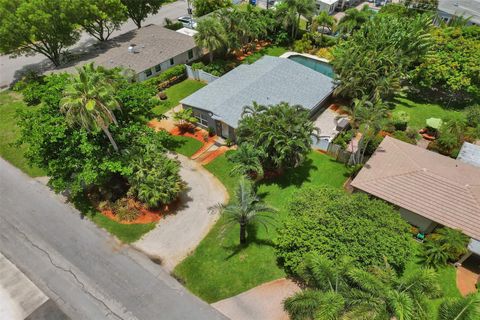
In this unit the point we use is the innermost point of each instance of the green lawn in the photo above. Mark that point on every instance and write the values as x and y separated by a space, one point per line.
10 103
274 51
446 278
220 267
185 145
176 93
419 112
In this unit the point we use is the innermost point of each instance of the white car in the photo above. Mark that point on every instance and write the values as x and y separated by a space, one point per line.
188 22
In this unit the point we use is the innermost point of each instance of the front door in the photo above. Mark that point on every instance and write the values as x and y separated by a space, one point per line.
225 130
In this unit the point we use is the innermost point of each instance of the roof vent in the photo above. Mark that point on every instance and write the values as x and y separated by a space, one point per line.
131 48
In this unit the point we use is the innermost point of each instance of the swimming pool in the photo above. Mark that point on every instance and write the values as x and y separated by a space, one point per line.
317 65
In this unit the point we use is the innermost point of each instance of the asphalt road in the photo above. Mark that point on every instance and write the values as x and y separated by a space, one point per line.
79 266
12 68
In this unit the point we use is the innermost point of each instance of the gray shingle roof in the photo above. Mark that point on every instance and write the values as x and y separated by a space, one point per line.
436 187
467 8
470 153
268 81
154 44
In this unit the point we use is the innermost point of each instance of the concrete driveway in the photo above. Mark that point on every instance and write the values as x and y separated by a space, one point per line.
264 302
178 234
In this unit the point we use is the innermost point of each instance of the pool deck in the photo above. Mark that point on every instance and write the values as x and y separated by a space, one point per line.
311 56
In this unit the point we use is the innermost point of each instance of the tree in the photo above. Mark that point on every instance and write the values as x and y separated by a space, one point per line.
184 119
299 8
211 35
203 7
445 245
353 19
89 101
246 209
47 27
101 17
138 10
246 161
335 224
466 308
283 133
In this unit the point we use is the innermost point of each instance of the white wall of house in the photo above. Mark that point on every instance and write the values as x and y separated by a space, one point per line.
446 17
327 5
425 225
182 58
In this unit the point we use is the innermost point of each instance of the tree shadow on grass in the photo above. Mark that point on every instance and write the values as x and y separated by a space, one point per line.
252 238
294 176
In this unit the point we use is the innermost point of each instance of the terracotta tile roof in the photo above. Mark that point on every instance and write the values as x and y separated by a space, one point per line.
436 187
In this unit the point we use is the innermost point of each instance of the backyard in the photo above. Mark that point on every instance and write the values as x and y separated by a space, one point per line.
220 267
176 93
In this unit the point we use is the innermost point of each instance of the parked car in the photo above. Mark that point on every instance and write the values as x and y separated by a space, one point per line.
188 22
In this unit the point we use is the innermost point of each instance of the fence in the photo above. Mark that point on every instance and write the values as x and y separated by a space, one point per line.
334 150
200 75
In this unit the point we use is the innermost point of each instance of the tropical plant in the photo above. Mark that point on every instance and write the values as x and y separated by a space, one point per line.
184 119
246 208
334 224
353 19
473 115
324 20
89 101
296 9
155 179
444 245
211 35
283 133
203 7
126 209
466 308
246 161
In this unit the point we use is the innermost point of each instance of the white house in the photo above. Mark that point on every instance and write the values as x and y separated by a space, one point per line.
327 5
448 9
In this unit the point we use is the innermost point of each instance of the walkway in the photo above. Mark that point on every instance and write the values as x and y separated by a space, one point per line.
467 275
178 234
264 302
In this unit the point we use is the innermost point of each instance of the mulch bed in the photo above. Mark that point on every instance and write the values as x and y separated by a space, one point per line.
147 216
197 134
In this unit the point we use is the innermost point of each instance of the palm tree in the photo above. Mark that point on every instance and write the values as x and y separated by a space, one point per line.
353 19
325 21
211 35
247 208
466 308
246 161
89 100
312 304
305 8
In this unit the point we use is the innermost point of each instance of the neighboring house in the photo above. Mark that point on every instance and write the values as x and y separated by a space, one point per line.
268 81
327 5
429 189
447 9
147 51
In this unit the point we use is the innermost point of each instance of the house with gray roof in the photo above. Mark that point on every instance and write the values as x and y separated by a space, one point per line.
447 9
268 81
147 51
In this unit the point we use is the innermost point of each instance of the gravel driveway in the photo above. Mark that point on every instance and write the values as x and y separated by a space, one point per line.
178 234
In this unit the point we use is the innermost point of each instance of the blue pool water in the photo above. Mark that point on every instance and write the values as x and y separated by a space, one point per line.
314 64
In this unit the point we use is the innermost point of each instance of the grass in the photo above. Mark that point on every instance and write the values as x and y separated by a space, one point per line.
176 93
274 51
10 103
420 112
185 145
220 267
446 278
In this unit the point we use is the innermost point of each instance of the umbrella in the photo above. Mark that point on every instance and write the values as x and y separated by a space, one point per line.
434 123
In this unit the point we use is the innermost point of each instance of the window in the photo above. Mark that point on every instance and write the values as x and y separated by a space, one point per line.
190 54
158 68
202 119
172 62
148 72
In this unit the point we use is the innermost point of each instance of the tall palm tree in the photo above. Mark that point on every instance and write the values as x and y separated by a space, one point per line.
89 100
354 19
210 35
466 308
305 8
247 208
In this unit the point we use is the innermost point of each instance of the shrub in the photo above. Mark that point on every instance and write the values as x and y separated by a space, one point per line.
400 120
169 24
126 209
443 246
473 115
344 138
168 75
403 136
303 45
334 224
184 119
325 53
198 66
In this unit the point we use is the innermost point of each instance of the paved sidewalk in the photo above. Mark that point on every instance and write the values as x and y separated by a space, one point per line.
178 234
264 302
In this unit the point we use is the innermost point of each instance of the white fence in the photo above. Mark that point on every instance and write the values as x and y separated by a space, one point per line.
200 75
